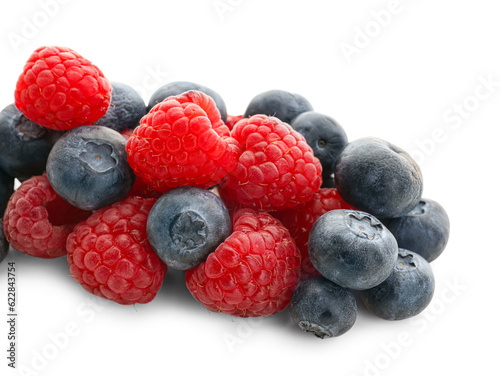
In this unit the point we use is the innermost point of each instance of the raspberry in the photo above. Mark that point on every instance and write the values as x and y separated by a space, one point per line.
110 256
276 170
60 89
253 273
301 220
140 188
37 221
232 120
182 141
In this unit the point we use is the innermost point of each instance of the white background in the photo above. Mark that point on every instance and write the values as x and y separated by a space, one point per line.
422 74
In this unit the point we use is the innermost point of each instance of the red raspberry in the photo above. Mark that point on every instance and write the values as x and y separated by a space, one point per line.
37 221
232 120
182 141
301 220
140 188
277 169
60 89
253 273
110 256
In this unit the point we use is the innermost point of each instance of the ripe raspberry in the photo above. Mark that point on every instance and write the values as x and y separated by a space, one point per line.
301 220
60 89
110 256
232 120
253 273
277 169
182 142
37 221
140 188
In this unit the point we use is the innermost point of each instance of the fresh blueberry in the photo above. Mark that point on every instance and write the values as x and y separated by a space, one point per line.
6 190
88 167
179 87
24 145
186 224
324 135
406 292
126 109
378 177
278 103
321 307
352 248
425 230
4 245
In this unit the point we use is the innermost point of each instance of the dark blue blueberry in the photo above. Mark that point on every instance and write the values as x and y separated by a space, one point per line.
324 135
378 177
186 224
425 230
88 167
321 307
179 87
6 190
278 103
406 292
352 248
24 145
4 245
126 109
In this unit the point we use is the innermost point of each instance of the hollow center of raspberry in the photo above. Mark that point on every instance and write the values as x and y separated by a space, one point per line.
98 157
26 130
188 230
364 226
62 213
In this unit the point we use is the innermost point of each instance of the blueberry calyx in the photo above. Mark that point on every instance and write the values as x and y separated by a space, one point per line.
363 225
98 157
188 231
26 130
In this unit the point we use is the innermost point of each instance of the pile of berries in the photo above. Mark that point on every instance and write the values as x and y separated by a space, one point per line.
264 211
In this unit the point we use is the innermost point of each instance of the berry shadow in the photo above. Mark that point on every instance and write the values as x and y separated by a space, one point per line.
174 289
36 265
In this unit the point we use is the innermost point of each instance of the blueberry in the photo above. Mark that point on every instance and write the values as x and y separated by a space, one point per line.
324 135
24 145
179 87
4 245
406 292
126 109
6 190
278 103
378 177
424 230
88 167
186 224
321 307
352 248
